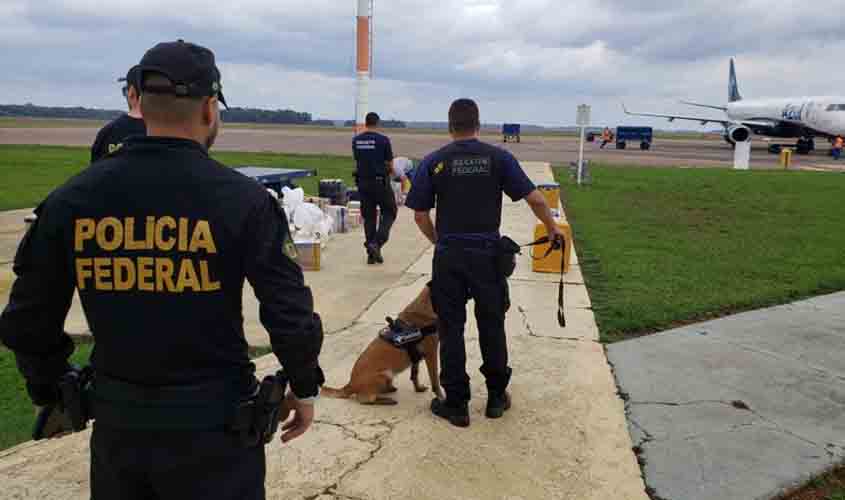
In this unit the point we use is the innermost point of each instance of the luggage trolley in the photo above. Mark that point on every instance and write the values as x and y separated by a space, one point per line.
511 131
276 178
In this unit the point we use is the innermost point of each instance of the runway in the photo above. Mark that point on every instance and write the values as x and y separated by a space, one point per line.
557 150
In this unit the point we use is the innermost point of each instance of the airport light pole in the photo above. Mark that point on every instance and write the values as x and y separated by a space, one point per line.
363 64
582 119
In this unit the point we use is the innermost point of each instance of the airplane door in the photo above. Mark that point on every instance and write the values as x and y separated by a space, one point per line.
817 118
812 113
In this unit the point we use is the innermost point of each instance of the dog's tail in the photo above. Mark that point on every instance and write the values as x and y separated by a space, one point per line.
331 392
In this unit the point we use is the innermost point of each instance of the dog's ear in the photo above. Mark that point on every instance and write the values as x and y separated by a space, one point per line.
389 321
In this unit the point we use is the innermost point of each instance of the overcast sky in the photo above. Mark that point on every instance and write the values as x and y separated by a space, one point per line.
529 61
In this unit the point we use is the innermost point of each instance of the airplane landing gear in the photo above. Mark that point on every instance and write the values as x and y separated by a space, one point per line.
805 145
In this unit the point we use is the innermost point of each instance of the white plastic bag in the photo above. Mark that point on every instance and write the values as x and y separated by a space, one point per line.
309 221
401 166
292 198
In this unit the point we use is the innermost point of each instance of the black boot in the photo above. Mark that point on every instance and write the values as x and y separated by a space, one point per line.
371 255
456 415
377 255
498 404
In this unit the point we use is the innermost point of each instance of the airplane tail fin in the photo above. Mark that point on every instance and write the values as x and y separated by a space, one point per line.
733 86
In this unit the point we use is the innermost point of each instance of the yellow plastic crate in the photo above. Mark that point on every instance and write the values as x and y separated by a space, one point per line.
552 194
551 263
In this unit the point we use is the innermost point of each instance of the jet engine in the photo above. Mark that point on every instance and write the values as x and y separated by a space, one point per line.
737 133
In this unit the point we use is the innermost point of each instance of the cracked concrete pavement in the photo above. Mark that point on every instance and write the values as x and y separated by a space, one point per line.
565 437
740 407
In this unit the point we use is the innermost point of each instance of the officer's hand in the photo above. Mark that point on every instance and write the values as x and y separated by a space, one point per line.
50 423
557 236
303 416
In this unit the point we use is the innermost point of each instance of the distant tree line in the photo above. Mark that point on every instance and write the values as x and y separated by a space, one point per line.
233 115
251 115
382 124
33 111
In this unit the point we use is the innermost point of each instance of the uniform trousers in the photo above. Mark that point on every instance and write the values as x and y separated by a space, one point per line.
462 272
174 465
377 193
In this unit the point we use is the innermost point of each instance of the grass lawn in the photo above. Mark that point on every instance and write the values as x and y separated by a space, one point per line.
661 247
29 173
17 415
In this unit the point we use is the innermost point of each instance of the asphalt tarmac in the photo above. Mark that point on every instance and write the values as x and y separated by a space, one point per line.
712 152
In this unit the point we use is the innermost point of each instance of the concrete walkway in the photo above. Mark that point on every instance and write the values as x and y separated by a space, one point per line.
740 407
565 437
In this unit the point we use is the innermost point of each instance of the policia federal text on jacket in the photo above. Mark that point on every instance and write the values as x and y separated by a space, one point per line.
158 239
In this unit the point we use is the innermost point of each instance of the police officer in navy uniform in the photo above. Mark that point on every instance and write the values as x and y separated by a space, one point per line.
158 239
374 157
111 137
465 181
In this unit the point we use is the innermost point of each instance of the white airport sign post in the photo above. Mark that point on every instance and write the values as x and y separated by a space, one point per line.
582 119
742 155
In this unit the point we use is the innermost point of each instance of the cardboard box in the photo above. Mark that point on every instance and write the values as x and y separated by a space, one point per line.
322 203
338 215
308 254
354 219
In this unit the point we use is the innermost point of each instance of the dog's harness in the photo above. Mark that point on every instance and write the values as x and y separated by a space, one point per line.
403 336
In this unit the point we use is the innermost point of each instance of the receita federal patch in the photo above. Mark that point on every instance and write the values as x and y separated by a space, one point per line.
471 166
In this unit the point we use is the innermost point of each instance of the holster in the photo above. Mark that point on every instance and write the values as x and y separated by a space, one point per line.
73 405
506 256
256 419
75 388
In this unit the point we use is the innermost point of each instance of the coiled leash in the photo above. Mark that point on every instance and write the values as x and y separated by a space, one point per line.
509 249
556 244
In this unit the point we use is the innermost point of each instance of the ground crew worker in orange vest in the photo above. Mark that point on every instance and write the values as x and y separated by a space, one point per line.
605 137
837 148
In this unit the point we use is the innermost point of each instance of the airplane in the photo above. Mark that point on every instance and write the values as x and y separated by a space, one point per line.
803 118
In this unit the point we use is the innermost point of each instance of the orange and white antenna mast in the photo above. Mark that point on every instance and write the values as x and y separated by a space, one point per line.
363 66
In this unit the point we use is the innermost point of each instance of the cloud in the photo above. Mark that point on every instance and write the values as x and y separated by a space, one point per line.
525 60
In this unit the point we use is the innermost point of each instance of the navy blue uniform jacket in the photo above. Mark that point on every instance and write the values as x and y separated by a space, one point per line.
158 239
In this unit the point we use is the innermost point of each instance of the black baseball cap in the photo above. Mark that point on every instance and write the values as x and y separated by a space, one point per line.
189 67
131 77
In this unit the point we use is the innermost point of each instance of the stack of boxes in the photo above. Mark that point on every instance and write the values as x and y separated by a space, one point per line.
354 219
335 201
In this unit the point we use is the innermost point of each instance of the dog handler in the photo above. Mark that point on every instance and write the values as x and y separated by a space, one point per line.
158 239
465 181
111 137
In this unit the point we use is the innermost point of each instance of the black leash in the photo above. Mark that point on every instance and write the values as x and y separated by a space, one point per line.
557 244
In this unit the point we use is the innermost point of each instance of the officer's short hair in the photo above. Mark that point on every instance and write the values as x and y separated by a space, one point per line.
167 108
464 116
372 120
